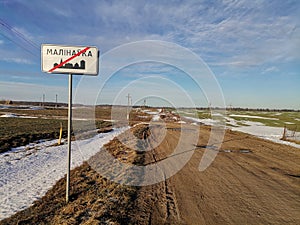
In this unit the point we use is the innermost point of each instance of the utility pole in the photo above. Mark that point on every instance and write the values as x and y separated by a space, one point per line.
209 108
43 100
56 101
69 138
128 105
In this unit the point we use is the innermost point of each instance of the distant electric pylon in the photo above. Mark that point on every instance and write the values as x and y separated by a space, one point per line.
43 100
128 104
209 108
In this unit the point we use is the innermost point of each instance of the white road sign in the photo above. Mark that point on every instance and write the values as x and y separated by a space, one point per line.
70 59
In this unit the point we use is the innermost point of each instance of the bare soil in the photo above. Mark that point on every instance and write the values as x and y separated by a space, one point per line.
251 181
15 132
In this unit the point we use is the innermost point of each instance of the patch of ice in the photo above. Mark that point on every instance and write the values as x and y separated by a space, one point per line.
217 114
12 115
251 123
110 120
155 118
231 121
36 108
150 112
210 122
258 129
21 107
288 123
269 133
27 175
254 117
255 128
9 115
28 117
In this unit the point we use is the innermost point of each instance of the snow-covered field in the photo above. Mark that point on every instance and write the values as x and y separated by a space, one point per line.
260 130
26 173
254 128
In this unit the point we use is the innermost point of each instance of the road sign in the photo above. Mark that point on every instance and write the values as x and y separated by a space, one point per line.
70 59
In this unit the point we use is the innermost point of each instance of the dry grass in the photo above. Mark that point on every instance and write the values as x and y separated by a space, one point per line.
94 199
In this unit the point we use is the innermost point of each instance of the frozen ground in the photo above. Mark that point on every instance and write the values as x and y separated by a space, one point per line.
150 112
209 122
260 130
26 173
12 115
24 107
255 128
254 117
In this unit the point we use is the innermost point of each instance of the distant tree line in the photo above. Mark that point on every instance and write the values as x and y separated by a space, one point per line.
53 104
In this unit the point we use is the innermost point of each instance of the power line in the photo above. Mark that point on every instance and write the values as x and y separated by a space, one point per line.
18 38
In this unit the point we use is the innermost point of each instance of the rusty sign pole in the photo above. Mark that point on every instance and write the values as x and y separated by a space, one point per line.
69 138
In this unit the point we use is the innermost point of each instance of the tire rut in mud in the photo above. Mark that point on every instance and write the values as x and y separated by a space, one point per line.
157 203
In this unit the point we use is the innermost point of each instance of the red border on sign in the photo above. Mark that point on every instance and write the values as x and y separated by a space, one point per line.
74 56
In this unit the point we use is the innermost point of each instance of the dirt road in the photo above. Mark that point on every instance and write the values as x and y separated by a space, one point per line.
251 181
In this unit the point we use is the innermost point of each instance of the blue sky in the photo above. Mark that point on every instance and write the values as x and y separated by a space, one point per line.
251 47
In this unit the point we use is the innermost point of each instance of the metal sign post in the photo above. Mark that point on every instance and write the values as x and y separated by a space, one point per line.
69 138
81 60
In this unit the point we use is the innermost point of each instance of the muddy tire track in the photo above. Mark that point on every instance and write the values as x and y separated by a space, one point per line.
158 201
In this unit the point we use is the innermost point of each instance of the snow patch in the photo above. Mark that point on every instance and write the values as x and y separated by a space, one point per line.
151 112
269 133
254 128
12 115
231 121
156 118
26 175
210 122
254 117
289 123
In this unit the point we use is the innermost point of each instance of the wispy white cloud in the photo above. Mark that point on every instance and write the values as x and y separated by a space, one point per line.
234 37
221 32
34 92
18 60
248 35
270 70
